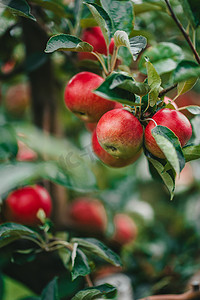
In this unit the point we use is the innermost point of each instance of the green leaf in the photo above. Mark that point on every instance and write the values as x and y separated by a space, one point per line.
69 167
18 7
135 45
164 56
50 292
10 232
115 94
154 81
185 86
146 6
103 20
127 83
186 70
87 294
192 11
170 145
191 152
121 13
53 6
67 42
92 293
193 109
81 265
99 249
168 180
8 142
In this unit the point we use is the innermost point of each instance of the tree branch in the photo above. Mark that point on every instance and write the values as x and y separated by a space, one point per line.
168 89
186 36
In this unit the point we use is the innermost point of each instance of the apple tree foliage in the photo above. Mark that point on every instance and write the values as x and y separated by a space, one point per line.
164 65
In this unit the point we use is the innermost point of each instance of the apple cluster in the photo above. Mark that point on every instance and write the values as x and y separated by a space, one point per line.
118 136
90 213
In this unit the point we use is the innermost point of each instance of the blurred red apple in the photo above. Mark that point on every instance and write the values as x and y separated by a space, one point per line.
25 153
89 212
17 99
125 229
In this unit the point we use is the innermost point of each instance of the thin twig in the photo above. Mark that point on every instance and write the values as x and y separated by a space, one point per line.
89 281
168 89
186 36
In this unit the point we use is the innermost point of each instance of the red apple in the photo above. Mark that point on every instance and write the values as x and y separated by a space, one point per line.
125 229
8 66
172 119
80 99
107 158
94 37
89 212
25 153
120 133
22 205
17 99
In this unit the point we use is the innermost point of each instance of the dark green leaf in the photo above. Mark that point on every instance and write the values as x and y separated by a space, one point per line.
127 83
164 56
97 291
18 7
121 13
115 94
154 82
50 292
103 20
186 70
8 142
87 295
167 178
192 11
170 145
191 152
98 248
81 265
34 61
10 232
67 42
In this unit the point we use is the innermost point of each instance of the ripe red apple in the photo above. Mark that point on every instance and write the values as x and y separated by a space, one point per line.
94 36
89 212
125 229
120 133
22 205
25 153
107 158
17 99
80 99
172 119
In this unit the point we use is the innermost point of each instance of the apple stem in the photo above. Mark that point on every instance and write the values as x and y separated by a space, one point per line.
108 60
114 58
89 281
140 107
101 62
150 119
